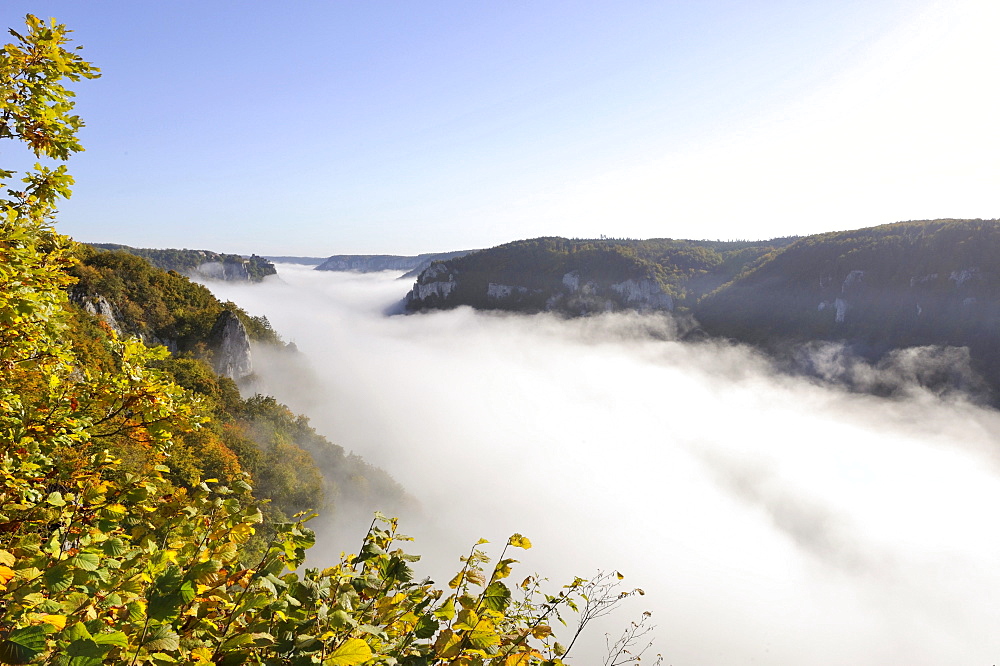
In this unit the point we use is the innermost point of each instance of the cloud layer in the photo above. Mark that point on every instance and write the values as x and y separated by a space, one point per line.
769 519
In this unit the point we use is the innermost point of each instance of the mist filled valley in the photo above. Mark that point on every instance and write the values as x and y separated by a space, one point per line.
683 310
769 518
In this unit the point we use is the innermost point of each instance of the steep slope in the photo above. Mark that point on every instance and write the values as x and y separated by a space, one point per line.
584 276
896 285
290 463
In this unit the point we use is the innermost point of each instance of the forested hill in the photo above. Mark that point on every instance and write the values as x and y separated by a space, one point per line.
304 261
201 263
289 462
371 263
896 285
878 289
586 276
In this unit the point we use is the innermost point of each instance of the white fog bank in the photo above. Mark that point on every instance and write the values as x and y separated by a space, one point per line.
769 520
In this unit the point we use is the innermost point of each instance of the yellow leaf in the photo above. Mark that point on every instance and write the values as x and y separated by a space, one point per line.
519 541
202 655
502 569
467 620
242 533
6 573
57 621
541 631
353 652
447 644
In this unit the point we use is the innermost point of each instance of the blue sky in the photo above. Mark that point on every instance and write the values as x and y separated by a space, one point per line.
320 128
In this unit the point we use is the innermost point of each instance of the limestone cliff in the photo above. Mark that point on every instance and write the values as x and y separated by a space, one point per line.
231 344
98 306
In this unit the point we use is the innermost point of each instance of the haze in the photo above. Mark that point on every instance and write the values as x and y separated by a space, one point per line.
770 519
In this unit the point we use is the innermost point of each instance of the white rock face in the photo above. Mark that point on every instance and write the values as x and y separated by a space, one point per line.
435 281
501 291
571 281
646 293
99 306
436 271
853 278
914 281
428 289
841 306
232 355
963 276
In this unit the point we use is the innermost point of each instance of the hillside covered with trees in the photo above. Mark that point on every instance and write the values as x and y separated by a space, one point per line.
933 283
201 263
132 526
586 276
907 284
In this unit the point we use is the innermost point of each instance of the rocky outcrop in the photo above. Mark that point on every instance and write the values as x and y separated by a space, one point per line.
100 307
231 345
432 289
643 294
442 286
502 291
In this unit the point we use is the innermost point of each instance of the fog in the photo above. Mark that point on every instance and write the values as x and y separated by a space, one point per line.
770 519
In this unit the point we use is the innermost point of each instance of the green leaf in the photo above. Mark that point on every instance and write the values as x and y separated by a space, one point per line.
85 561
114 547
86 652
77 631
58 578
447 611
339 619
236 642
22 645
162 638
169 580
114 639
164 606
497 597
483 639
355 651
426 627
